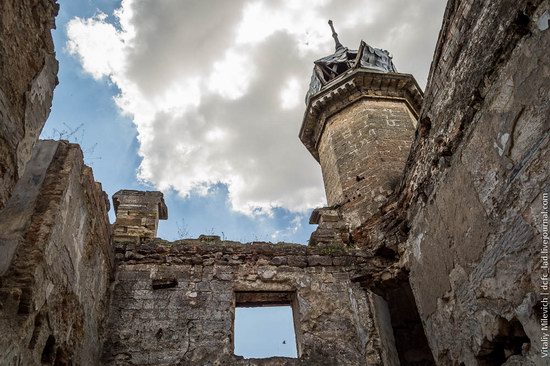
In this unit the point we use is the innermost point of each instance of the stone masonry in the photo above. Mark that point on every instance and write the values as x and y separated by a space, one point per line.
465 227
360 128
174 303
57 262
479 169
430 253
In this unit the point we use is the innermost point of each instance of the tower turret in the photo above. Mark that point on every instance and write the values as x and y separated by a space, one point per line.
359 124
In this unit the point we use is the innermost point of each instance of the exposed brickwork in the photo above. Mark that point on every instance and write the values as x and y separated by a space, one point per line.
28 70
195 316
331 230
362 153
350 87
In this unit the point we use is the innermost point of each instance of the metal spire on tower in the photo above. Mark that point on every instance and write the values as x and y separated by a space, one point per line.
335 36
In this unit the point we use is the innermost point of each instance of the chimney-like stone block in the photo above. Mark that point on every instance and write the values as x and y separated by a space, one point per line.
332 230
137 214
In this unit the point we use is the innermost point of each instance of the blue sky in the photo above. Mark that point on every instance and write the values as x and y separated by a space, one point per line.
205 102
265 331
84 111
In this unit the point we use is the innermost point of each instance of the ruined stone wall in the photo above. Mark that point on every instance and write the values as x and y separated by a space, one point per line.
362 154
173 303
474 183
56 262
28 70
464 230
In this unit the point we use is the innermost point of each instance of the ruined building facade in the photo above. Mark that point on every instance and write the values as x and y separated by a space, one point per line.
431 251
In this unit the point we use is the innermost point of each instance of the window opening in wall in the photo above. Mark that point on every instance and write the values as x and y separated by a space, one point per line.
264 325
48 354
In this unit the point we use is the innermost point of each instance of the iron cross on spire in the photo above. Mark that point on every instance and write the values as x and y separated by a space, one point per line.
335 36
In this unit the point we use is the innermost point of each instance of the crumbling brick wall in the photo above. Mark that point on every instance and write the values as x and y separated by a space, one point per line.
57 261
28 75
174 303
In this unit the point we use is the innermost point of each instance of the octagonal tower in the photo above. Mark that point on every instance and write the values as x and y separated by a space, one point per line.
359 123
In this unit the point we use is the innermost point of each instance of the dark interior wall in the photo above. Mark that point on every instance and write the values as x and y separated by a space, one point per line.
56 260
410 340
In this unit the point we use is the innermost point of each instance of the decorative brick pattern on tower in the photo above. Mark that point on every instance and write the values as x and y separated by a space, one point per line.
137 215
362 153
360 129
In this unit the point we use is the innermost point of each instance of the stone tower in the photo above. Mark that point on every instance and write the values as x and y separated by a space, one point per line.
359 123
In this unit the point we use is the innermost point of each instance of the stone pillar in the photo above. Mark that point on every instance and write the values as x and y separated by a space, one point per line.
137 215
360 128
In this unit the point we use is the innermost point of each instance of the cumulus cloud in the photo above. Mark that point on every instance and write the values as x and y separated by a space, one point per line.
216 88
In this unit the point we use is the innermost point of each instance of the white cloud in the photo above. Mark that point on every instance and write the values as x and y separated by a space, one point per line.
98 44
290 95
231 76
215 88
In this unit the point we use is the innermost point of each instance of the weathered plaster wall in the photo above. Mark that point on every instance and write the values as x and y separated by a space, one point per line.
362 152
474 183
53 288
28 70
190 321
